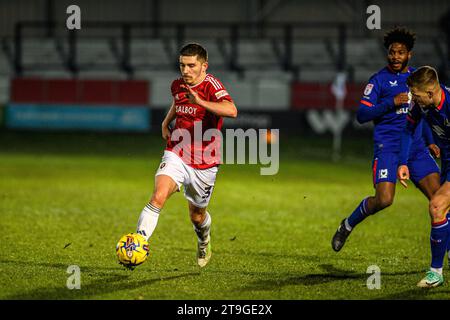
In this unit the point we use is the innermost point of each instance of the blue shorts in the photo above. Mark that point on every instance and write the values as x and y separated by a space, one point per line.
420 165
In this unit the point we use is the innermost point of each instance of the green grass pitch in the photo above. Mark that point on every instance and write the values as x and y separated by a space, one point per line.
65 199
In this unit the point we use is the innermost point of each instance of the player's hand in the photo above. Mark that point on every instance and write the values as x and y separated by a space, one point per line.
434 150
403 175
401 98
165 132
192 95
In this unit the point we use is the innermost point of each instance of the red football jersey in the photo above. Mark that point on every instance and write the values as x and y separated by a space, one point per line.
197 153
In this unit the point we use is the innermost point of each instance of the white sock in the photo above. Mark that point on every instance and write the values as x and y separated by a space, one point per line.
148 220
438 270
203 230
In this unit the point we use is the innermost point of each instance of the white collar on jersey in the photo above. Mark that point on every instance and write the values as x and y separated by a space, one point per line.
195 85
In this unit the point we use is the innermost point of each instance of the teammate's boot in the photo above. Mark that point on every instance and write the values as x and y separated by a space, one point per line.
432 279
340 237
204 252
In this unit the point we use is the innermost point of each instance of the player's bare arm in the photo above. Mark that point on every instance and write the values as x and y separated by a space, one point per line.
401 98
403 175
171 115
221 109
435 150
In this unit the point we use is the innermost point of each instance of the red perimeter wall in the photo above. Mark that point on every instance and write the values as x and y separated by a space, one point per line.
76 91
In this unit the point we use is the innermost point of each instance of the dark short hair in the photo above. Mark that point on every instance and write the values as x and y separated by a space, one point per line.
423 77
400 35
194 49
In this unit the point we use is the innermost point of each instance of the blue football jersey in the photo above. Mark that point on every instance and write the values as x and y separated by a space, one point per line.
438 120
377 105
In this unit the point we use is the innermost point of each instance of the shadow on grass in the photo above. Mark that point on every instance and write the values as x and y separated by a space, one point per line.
100 286
264 255
105 282
418 294
330 274
63 266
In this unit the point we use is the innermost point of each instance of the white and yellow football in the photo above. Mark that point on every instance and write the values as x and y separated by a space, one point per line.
132 250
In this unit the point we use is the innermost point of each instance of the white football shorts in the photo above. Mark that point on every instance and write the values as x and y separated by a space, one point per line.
198 184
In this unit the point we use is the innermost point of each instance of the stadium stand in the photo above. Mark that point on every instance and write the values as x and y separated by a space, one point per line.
258 55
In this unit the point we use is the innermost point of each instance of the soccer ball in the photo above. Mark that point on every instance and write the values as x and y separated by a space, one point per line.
132 250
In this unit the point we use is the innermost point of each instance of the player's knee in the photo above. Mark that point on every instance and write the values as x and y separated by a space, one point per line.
437 209
384 202
197 215
197 218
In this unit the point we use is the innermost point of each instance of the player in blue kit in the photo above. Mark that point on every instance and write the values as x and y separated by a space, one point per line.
431 102
386 103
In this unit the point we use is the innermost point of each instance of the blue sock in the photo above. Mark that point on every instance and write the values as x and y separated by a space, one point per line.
438 241
360 213
448 239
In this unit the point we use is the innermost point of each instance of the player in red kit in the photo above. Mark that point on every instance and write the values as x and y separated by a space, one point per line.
199 103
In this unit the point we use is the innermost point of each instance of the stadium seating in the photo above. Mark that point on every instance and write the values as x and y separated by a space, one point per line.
95 53
150 54
260 82
39 52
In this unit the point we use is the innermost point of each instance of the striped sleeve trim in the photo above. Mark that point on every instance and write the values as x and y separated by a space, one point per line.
216 84
366 103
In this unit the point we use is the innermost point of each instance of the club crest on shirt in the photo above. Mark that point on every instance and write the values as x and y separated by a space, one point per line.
368 89
383 173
